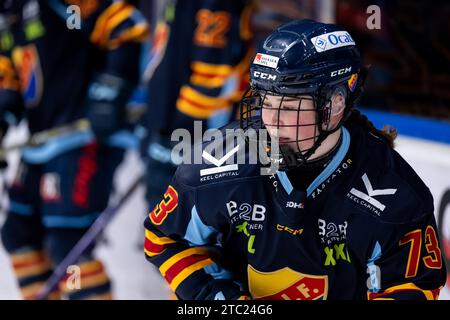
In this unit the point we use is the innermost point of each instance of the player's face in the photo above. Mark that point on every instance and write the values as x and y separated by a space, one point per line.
295 119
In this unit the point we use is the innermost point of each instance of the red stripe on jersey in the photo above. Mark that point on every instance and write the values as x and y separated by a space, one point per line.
179 266
153 247
35 261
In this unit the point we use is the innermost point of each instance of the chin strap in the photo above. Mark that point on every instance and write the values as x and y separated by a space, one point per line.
295 160
326 158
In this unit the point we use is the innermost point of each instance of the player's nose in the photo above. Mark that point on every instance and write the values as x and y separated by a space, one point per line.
273 114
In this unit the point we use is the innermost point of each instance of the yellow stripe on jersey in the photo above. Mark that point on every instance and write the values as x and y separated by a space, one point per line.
155 245
206 81
181 255
158 240
87 7
402 287
188 271
31 291
8 76
195 111
209 75
211 69
137 33
33 270
115 14
104 296
198 105
245 28
26 257
90 266
97 35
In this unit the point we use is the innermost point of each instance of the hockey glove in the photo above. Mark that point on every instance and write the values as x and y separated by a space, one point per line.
222 289
107 96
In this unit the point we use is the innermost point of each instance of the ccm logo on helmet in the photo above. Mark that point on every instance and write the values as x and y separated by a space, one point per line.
262 75
332 40
340 71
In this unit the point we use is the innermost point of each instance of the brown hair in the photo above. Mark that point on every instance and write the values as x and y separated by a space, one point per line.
387 133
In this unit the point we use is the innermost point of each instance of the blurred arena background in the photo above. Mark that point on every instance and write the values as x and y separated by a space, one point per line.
407 88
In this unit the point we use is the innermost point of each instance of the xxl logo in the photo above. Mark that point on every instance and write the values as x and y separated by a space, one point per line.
286 284
371 193
334 253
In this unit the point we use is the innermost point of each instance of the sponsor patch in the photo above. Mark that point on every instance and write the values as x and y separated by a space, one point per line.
332 40
266 60
368 199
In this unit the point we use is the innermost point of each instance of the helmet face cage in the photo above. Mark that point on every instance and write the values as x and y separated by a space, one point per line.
291 152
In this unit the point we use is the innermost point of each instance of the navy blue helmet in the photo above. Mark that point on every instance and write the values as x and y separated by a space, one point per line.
307 60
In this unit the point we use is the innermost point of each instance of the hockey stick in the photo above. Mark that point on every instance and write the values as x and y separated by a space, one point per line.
43 136
81 125
87 239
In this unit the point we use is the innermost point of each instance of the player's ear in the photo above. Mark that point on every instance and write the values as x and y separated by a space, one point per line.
337 103
337 108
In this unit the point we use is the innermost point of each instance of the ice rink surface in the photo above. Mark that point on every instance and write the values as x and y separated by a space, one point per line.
121 245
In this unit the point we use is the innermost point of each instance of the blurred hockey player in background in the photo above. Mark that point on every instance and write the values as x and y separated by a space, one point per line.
200 57
53 72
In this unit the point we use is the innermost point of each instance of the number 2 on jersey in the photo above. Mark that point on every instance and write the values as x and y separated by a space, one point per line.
212 27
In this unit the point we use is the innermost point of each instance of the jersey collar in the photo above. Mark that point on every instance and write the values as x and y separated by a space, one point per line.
329 169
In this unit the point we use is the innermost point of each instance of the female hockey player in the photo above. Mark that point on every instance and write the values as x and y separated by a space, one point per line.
343 217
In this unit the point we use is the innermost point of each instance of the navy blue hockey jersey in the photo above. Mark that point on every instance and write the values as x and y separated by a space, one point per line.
205 51
363 229
47 60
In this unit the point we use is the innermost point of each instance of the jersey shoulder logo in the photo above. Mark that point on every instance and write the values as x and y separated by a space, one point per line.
26 60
